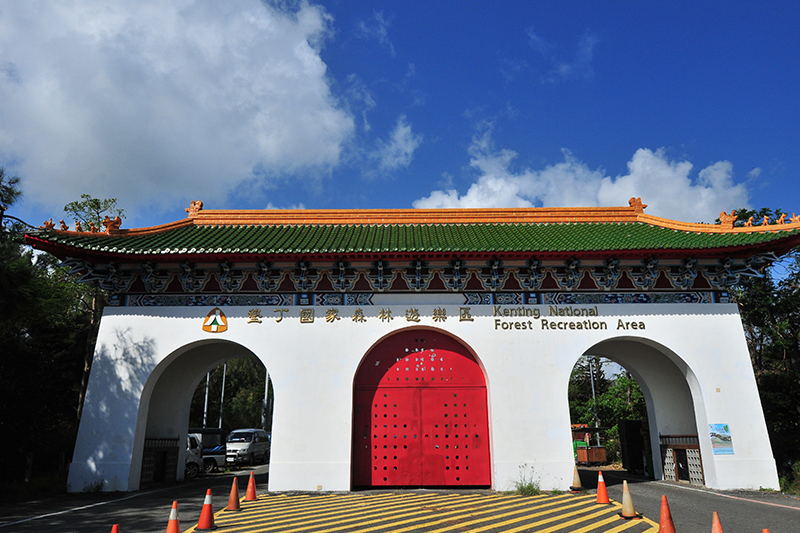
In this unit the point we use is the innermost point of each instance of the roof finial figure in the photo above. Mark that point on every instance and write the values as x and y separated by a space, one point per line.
637 204
48 224
64 226
726 220
194 207
112 226
765 222
781 219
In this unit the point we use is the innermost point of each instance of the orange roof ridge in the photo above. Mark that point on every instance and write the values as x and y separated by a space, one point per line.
526 215
700 227
362 217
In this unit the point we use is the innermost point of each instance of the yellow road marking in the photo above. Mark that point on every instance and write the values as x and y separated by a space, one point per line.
423 512
627 524
336 519
343 503
483 510
353 516
514 521
595 525
385 517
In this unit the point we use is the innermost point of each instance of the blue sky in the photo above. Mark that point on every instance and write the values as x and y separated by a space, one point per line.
348 104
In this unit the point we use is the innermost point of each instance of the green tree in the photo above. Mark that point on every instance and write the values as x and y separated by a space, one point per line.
244 395
42 335
581 402
770 310
9 190
617 398
89 210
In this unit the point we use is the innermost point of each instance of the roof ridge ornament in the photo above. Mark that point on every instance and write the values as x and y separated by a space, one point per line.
726 220
636 204
194 208
112 226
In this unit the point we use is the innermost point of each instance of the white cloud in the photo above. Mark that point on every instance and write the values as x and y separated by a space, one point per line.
293 206
559 69
539 44
398 151
151 101
377 28
665 185
359 98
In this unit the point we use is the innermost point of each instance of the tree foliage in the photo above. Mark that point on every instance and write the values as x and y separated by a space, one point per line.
43 332
617 398
89 210
244 396
9 190
770 310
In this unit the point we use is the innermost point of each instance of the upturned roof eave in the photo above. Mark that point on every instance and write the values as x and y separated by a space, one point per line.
61 251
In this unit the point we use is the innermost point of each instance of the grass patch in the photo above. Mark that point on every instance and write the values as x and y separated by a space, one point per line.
528 483
790 484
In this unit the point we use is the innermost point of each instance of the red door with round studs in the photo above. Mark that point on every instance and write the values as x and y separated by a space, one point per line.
420 414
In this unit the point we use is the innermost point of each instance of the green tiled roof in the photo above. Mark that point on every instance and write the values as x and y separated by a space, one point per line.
544 238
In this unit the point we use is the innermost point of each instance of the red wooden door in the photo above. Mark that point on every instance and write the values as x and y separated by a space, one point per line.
420 415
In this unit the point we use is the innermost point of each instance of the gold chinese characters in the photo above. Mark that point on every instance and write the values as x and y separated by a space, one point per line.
307 315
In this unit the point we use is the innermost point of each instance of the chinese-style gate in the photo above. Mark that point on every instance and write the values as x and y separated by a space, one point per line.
527 290
420 414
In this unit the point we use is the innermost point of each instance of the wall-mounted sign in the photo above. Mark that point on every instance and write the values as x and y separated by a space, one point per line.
215 321
721 439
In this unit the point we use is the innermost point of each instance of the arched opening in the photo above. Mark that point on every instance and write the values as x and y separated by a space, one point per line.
164 410
236 394
420 414
672 399
608 413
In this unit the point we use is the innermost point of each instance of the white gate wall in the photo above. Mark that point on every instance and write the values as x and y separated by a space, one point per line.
694 354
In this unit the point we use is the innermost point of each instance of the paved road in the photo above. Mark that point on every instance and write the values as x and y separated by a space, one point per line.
692 508
149 511
142 512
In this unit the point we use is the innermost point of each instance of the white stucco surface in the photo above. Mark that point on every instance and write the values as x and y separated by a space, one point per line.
690 359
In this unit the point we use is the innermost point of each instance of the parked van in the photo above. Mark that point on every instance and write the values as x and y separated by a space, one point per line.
213 442
247 446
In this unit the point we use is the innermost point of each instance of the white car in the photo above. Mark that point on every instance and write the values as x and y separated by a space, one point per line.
194 456
247 446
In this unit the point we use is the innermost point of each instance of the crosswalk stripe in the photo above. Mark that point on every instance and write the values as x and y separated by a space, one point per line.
428 513
336 519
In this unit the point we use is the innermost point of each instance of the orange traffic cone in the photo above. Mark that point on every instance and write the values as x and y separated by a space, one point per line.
665 524
716 525
115 528
576 482
628 512
173 526
602 493
206 521
250 496
233 499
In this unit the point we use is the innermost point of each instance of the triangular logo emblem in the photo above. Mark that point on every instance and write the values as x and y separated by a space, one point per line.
215 321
